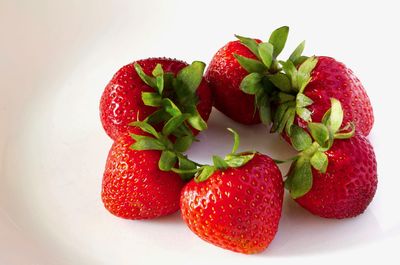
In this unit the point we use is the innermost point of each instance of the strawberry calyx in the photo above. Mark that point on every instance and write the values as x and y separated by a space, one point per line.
171 151
174 96
231 160
312 145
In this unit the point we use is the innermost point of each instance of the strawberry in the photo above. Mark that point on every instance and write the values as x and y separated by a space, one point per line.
235 204
133 185
334 176
319 79
235 61
129 96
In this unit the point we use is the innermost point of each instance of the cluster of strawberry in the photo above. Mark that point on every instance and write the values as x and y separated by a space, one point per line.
154 108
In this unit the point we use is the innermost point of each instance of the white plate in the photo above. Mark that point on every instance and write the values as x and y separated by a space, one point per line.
55 59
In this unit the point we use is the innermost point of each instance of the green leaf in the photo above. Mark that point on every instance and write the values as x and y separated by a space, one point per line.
279 114
345 133
304 72
290 70
303 101
219 163
196 121
173 123
183 143
300 178
238 160
167 160
186 165
281 81
236 140
336 115
251 83
319 132
297 52
265 50
182 131
151 99
205 173
290 121
250 65
250 43
157 117
278 39
149 80
300 139
158 73
300 60
265 114
304 113
286 117
319 161
284 97
190 76
148 143
170 107
146 127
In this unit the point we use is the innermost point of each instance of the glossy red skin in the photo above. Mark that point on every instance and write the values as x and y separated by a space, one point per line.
332 79
121 101
350 183
134 187
224 75
237 209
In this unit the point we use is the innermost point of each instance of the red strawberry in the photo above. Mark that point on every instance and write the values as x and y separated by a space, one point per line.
336 175
332 79
224 75
235 204
121 102
133 185
350 181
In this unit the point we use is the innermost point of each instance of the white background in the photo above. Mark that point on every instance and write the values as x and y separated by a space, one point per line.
57 56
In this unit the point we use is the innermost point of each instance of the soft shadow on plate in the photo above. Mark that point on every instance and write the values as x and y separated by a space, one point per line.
301 233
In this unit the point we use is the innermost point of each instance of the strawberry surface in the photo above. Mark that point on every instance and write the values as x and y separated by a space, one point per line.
236 209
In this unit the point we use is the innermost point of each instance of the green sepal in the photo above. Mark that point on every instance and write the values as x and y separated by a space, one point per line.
319 132
219 162
250 65
170 107
151 99
238 160
278 39
265 113
146 127
304 114
250 43
172 124
187 168
281 81
299 180
167 160
236 140
183 143
304 73
279 114
195 120
299 138
204 173
190 77
319 161
157 117
265 50
291 71
296 54
146 143
300 60
303 101
251 83
158 73
284 97
333 118
345 133
149 80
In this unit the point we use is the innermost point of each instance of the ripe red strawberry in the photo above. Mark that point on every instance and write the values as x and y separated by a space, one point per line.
121 102
133 185
237 203
224 75
332 79
350 181
334 176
